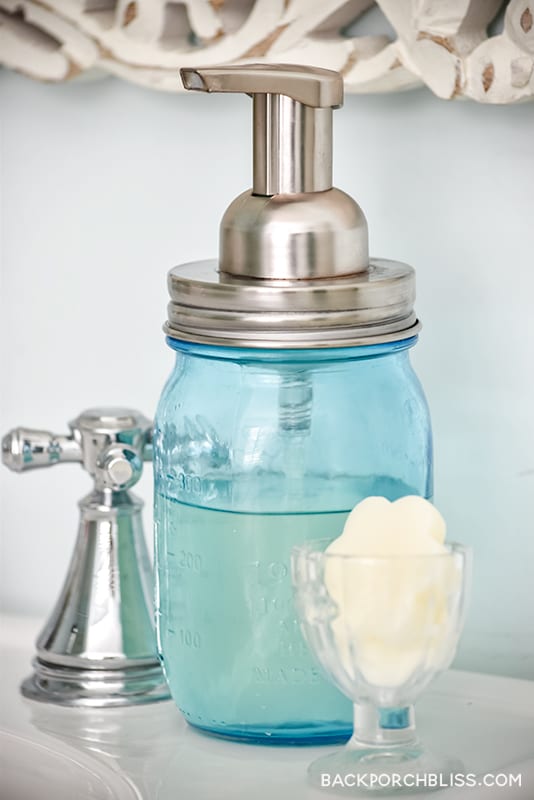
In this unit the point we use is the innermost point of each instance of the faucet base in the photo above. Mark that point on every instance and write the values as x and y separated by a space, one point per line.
95 688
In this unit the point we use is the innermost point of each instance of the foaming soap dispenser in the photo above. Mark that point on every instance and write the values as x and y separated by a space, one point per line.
292 399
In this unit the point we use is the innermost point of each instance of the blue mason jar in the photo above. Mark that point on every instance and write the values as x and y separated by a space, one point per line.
255 451
291 400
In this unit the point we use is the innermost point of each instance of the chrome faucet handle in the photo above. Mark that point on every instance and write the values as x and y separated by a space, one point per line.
111 444
25 448
98 647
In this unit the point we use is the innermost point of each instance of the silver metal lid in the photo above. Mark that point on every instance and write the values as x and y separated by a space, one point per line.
366 308
294 267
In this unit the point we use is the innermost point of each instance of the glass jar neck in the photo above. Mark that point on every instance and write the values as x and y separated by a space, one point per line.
290 356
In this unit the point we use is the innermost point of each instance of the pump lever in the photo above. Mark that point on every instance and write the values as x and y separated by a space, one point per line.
312 86
292 149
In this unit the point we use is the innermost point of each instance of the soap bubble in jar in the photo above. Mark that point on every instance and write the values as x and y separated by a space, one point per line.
382 627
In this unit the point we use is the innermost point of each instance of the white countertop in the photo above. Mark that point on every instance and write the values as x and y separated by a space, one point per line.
150 753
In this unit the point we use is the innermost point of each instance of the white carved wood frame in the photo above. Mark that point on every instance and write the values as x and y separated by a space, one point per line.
442 44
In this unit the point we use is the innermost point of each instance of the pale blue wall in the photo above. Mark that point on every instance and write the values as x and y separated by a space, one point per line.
105 186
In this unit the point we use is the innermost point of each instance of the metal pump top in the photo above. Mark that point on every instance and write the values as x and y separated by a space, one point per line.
292 109
293 269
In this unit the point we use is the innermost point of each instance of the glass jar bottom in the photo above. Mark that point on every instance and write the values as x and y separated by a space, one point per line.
285 735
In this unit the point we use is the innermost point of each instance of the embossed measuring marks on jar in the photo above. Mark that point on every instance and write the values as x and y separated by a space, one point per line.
272 604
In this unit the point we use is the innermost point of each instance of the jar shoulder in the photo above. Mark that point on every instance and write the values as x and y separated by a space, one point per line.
228 425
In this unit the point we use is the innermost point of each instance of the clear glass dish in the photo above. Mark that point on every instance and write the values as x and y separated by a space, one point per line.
381 628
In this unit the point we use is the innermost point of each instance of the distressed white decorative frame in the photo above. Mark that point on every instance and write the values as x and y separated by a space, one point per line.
443 44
